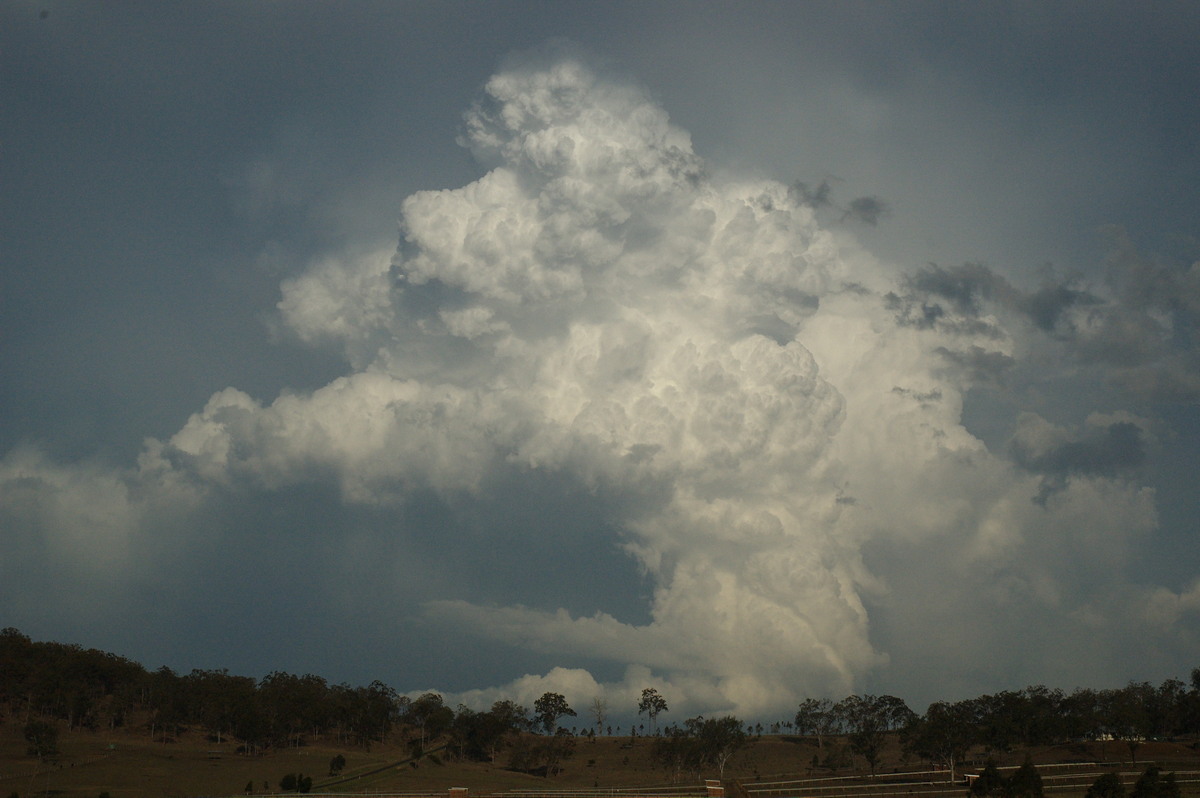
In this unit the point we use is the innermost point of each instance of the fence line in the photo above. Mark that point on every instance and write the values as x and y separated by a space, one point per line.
896 785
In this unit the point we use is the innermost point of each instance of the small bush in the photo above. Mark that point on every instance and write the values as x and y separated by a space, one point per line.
1155 784
1107 786
1026 782
989 783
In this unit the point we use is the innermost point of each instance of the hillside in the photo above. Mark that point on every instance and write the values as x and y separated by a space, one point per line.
128 764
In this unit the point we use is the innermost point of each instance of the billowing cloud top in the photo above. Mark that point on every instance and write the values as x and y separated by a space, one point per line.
776 417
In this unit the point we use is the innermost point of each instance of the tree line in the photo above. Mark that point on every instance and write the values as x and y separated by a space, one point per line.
47 684
1003 722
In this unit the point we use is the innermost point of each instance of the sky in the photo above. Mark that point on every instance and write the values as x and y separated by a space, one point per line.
750 352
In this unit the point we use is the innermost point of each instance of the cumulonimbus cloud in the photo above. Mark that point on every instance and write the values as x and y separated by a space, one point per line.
782 418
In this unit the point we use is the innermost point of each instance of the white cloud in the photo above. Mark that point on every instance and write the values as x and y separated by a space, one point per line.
596 305
341 299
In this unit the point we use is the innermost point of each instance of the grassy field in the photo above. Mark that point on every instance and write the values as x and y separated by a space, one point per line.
128 764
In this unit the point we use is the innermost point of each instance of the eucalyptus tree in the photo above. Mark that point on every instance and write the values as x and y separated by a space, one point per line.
867 720
816 718
944 734
549 708
650 705
599 710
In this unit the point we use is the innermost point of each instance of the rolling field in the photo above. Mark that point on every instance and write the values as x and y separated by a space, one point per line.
128 764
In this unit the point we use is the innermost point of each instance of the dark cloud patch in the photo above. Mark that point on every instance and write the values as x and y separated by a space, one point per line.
1108 450
1046 306
1134 329
924 398
964 288
818 196
912 311
979 365
774 328
868 210
954 300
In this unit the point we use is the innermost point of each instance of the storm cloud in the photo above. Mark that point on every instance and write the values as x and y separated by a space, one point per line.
620 404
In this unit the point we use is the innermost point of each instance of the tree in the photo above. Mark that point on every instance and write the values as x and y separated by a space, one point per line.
218 700
600 713
1128 716
1025 782
1108 785
1153 783
430 714
549 708
989 782
381 707
42 739
554 750
1081 714
511 715
717 739
651 704
1168 712
816 717
542 754
867 719
894 711
479 735
944 734
337 765
677 751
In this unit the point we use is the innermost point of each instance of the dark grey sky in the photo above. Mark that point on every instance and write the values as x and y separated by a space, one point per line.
195 197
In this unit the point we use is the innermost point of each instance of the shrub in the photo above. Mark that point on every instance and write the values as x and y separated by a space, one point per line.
42 738
1026 782
1108 785
1154 784
989 783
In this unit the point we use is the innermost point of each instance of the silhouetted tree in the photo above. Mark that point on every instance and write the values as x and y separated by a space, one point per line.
816 717
650 705
1127 715
866 719
944 734
430 714
717 739
549 708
